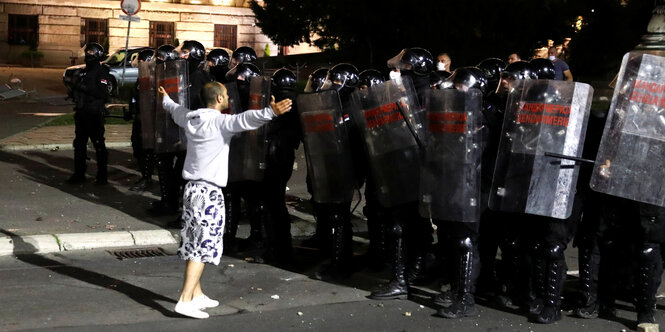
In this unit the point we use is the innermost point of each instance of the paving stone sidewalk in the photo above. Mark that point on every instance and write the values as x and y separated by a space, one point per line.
61 138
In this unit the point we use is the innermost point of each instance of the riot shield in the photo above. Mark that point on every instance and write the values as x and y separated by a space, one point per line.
542 116
327 149
247 152
629 162
450 176
147 96
391 123
173 76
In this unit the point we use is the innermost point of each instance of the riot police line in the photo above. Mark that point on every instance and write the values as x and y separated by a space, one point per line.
494 156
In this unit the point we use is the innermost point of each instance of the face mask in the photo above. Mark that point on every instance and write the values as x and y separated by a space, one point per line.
90 58
551 57
440 66
394 75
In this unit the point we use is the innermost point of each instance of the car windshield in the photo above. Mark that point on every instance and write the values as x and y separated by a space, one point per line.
115 58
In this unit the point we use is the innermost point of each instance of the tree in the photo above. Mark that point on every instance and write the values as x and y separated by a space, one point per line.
468 30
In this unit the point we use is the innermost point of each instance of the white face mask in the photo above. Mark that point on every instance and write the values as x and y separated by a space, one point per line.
440 66
394 75
551 57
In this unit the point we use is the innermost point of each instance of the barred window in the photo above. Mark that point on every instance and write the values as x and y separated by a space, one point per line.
226 36
94 31
161 33
23 29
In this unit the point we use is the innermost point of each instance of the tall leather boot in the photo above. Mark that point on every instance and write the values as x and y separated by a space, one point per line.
607 279
231 225
589 259
322 233
648 281
463 282
102 155
146 165
509 273
341 260
539 267
397 288
420 240
163 206
555 278
80 157
377 255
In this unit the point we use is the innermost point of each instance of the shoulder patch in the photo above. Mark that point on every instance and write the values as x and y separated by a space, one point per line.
104 81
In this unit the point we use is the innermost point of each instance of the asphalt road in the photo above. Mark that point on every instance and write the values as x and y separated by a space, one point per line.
87 291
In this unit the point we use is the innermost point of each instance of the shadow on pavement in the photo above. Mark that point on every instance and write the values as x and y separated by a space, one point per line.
55 169
138 294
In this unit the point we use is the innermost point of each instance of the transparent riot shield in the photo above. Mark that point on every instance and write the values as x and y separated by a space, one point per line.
147 96
247 154
235 106
327 149
173 76
542 116
450 176
391 123
629 162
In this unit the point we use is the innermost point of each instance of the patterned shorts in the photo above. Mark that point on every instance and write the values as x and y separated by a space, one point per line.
203 223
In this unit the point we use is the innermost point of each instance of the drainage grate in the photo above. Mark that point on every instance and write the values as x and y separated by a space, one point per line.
137 253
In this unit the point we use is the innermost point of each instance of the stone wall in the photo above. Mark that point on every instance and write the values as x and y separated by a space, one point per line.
60 24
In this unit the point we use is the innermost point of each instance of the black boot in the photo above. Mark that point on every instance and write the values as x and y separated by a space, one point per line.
146 166
377 253
509 273
463 288
588 283
164 206
555 278
341 261
397 288
647 283
322 233
102 155
538 282
231 224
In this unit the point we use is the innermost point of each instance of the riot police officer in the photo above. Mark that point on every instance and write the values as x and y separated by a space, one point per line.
411 234
218 62
283 138
90 96
167 162
194 52
144 157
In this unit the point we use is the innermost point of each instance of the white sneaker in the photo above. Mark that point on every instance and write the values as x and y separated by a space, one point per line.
204 302
190 309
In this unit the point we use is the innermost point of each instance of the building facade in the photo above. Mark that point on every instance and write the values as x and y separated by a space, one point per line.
59 28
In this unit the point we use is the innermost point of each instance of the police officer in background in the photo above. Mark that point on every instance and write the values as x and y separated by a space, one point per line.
218 61
283 136
144 157
194 53
90 96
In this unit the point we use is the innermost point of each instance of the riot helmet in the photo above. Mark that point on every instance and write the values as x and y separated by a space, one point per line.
219 57
93 53
243 54
242 72
342 75
416 60
493 67
466 78
544 68
283 79
518 70
144 55
165 53
437 79
370 77
315 80
192 50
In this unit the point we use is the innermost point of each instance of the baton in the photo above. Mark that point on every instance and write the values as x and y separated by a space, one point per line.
563 156
408 124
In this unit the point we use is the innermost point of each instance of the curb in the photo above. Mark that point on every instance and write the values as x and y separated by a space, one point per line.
50 243
63 146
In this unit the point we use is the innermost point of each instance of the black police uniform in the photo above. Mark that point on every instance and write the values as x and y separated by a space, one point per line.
90 96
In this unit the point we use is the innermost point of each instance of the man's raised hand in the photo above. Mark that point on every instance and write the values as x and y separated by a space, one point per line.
162 91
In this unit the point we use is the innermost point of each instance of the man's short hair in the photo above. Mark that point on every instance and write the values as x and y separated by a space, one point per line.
210 92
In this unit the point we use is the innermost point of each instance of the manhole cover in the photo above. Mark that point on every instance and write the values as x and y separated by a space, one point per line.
137 253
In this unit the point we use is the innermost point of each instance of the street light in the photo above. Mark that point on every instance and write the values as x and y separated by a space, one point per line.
654 40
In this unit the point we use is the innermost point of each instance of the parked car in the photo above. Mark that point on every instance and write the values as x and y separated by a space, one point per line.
115 61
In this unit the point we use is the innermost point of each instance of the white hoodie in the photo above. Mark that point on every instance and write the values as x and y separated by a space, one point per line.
208 135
